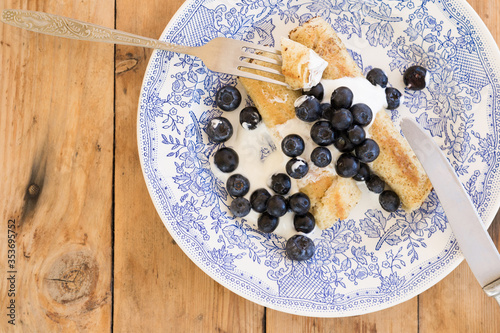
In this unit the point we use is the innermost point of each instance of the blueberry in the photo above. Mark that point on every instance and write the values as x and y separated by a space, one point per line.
347 165
250 118
321 157
393 97
377 76
219 129
277 206
292 145
309 109
341 119
304 223
237 185
240 207
299 203
375 184
342 142
356 134
326 111
297 168
228 98
389 201
299 247
267 223
361 114
414 77
368 151
316 91
322 133
363 173
341 98
259 199
226 159
280 183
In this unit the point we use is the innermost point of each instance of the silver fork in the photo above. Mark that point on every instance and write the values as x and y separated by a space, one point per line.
221 54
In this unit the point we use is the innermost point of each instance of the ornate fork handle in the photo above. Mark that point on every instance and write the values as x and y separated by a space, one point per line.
60 26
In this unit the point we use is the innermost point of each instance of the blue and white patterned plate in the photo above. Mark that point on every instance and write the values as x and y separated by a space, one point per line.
374 259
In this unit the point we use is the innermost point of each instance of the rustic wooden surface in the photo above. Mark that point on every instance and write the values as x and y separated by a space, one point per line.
92 254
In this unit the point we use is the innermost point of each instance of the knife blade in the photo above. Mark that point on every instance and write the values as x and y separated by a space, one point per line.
472 236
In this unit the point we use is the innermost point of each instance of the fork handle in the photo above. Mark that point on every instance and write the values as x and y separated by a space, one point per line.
60 26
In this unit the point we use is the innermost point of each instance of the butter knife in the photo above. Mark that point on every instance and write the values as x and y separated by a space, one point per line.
472 236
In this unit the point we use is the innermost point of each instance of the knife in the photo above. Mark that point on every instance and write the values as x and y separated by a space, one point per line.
471 234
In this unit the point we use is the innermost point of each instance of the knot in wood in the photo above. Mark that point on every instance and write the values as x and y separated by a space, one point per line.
72 280
72 277
126 65
33 190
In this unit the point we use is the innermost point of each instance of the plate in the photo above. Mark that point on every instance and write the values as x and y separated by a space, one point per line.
374 259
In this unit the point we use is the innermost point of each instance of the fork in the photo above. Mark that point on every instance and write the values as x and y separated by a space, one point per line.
224 55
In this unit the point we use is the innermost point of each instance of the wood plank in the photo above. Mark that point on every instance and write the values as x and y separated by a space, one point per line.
157 287
457 303
489 11
56 125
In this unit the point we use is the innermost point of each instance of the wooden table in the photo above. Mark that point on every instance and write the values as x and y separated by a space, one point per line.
91 252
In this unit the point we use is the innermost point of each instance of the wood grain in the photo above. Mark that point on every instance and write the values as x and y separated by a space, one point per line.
68 113
56 125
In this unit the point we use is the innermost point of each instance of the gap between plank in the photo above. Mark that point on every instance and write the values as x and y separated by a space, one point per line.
264 321
418 313
113 175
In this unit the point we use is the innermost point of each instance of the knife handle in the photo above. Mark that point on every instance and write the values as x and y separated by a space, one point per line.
493 290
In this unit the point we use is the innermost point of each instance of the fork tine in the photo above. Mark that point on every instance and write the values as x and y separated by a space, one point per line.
259 47
253 65
240 61
260 77
260 52
259 56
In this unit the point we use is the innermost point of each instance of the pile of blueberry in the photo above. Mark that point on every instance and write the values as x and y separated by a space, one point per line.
270 206
338 123
342 124
273 206
219 130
